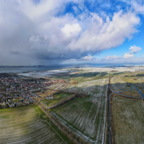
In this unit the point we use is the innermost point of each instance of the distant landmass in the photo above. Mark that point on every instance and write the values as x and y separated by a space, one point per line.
22 69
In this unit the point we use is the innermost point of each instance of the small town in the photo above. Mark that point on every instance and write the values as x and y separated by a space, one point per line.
16 91
19 91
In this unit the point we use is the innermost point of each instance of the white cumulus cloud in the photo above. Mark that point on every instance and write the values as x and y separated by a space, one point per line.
112 57
128 55
88 57
71 29
100 34
134 49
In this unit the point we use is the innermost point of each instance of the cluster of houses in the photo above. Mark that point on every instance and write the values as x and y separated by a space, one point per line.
16 91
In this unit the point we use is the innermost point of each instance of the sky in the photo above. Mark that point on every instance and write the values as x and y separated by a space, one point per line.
52 32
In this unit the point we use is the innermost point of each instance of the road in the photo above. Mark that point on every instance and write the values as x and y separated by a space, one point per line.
109 116
110 139
139 91
131 97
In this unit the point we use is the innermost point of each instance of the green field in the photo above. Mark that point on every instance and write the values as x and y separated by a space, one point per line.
128 121
84 114
27 125
57 98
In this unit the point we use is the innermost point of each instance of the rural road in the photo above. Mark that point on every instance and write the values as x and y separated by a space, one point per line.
109 115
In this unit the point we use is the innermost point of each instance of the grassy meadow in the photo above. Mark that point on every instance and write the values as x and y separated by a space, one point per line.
27 125
128 120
